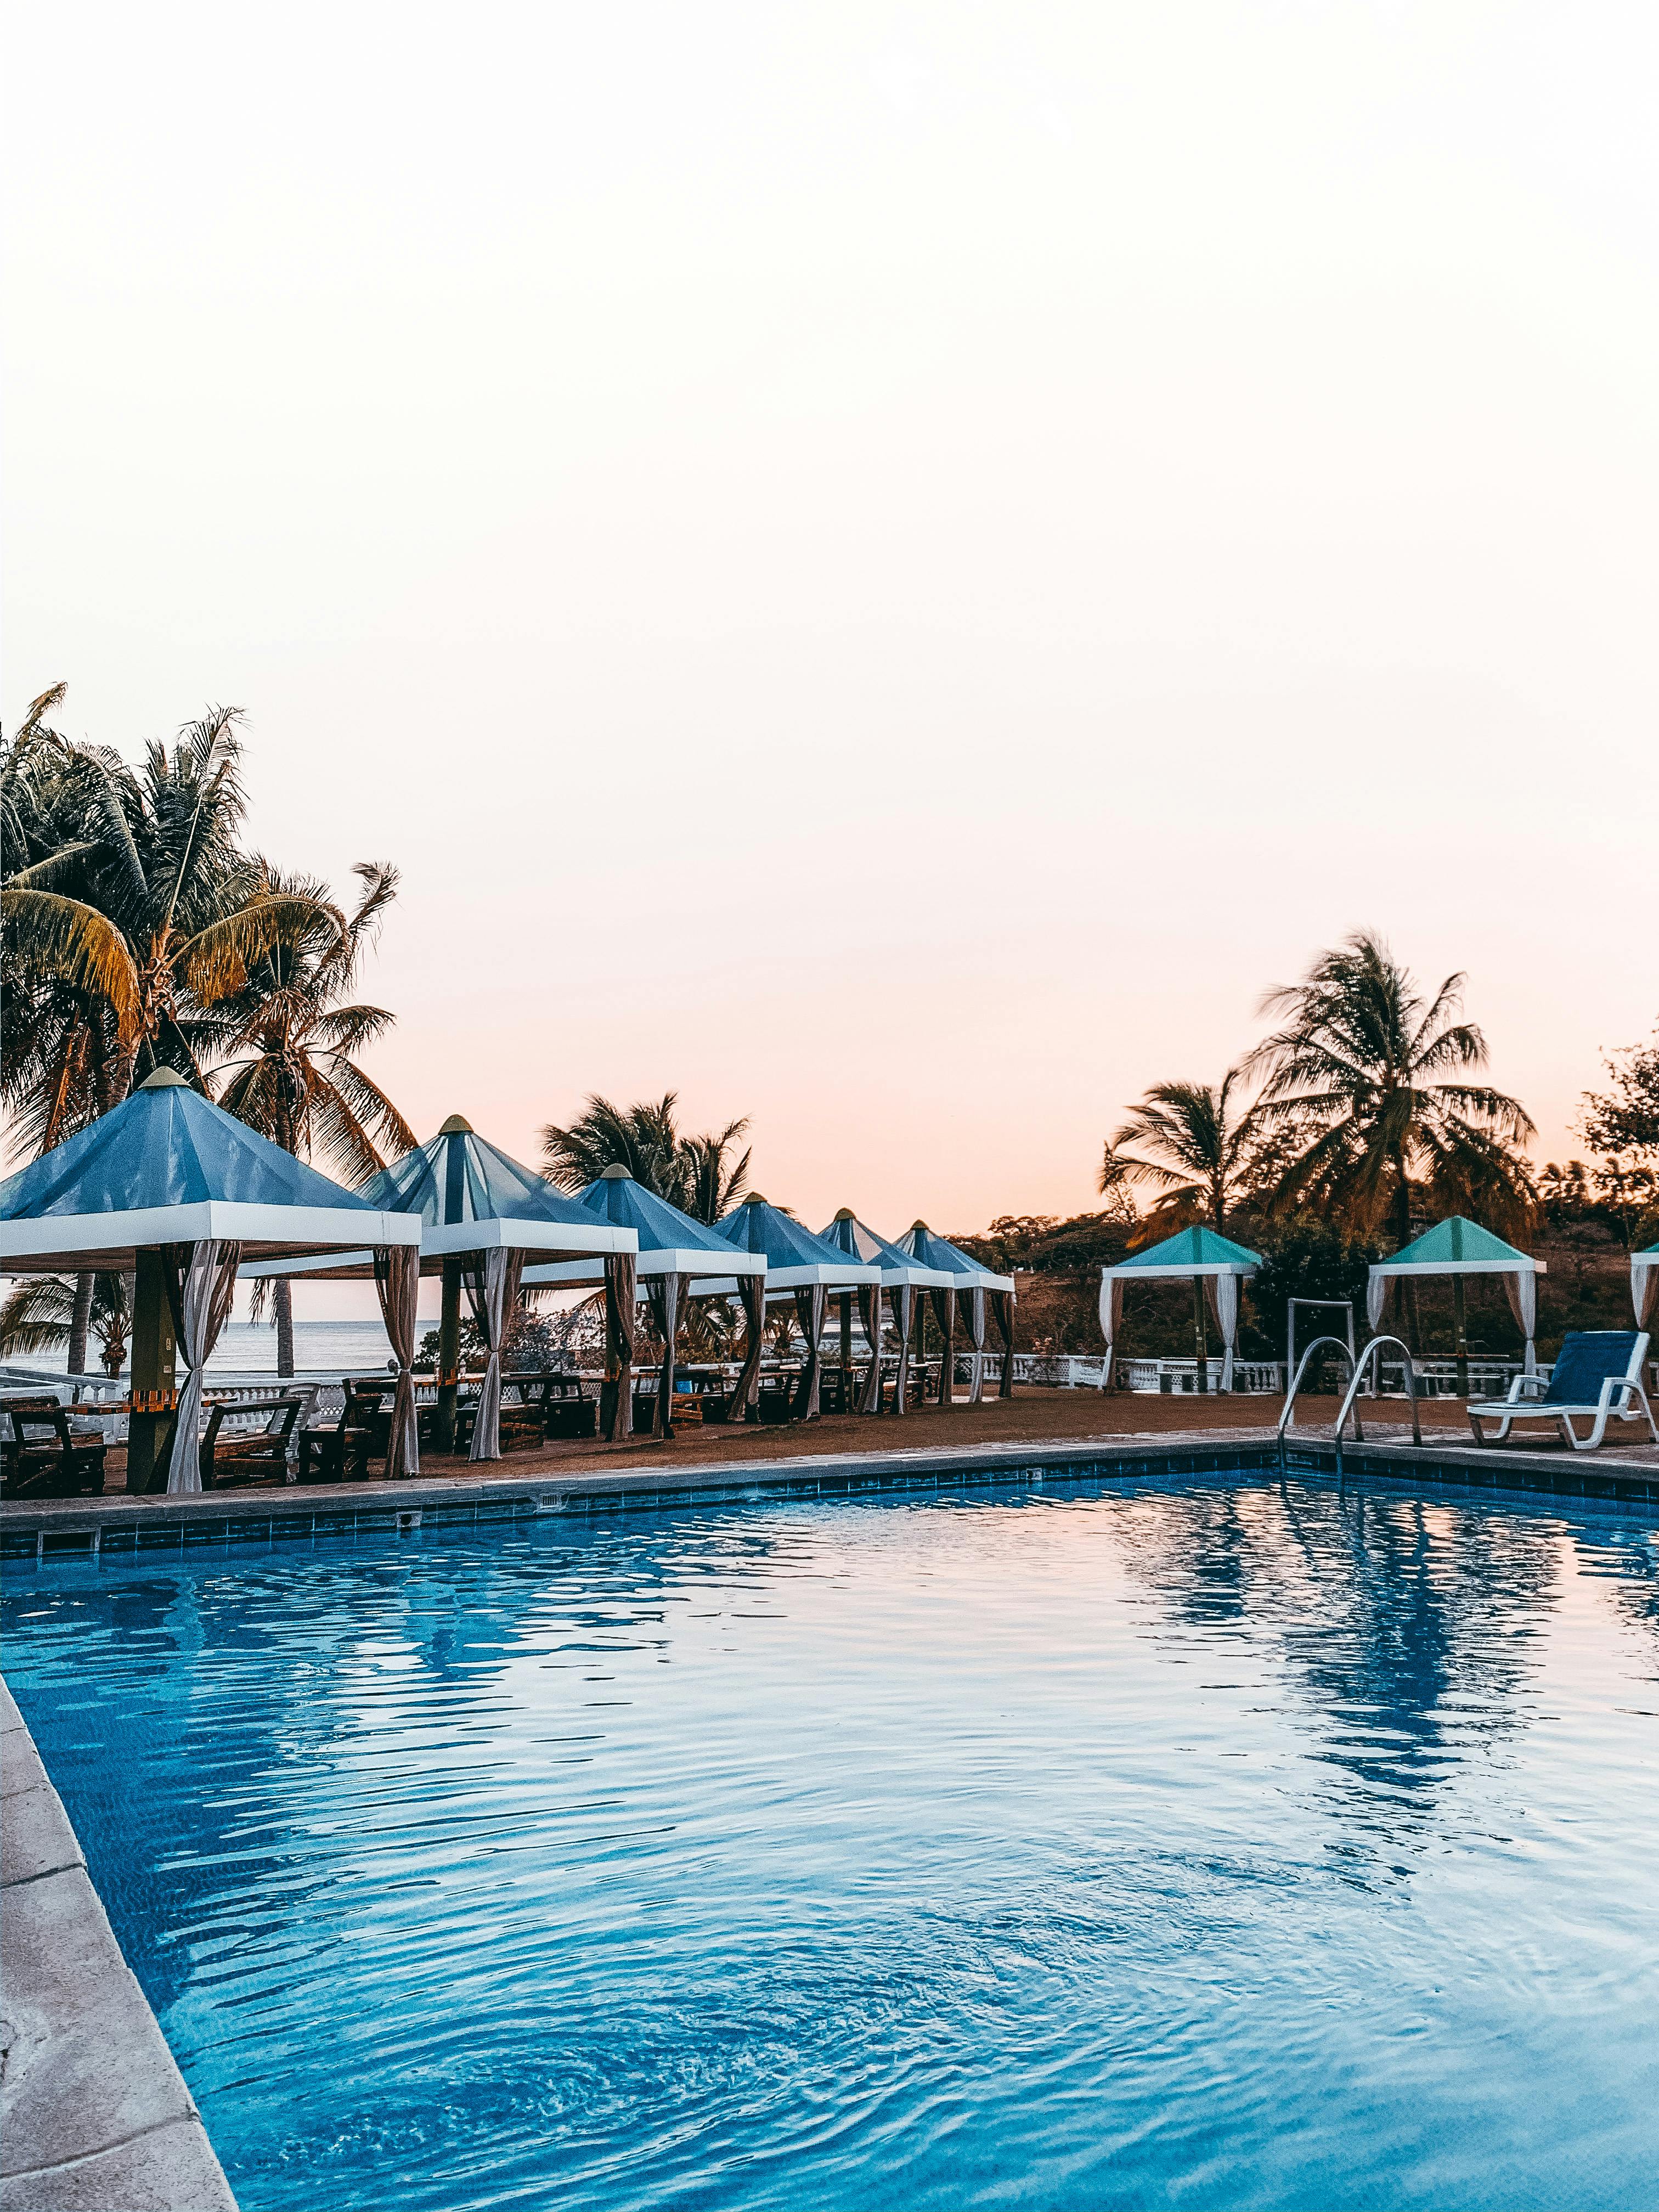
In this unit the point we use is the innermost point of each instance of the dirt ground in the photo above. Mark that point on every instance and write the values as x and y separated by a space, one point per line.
1031 1416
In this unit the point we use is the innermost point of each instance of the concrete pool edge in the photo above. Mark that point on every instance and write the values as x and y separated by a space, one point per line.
94 2115
75 1528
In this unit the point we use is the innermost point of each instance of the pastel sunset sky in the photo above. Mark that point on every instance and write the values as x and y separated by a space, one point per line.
888 568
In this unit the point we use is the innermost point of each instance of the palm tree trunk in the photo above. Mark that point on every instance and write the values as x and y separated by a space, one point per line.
79 1322
284 1327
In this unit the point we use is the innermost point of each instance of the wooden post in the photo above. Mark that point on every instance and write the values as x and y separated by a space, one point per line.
155 1400
1461 1329
449 1356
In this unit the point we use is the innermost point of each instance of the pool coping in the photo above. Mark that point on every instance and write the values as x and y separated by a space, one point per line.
94 2115
74 1528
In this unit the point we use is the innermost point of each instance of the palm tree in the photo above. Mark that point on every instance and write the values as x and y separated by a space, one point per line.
38 1314
1199 1150
1369 1084
127 911
292 1073
693 1173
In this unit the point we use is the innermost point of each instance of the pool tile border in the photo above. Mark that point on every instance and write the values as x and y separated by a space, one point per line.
94 2115
110 1526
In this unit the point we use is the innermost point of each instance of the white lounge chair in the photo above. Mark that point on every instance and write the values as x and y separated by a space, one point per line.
1598 1377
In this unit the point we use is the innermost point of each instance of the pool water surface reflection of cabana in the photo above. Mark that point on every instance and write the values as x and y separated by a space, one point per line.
1218 1268
168 1188
678 1259
971 1283
900 1277
480 1215
801 1265
1458 1248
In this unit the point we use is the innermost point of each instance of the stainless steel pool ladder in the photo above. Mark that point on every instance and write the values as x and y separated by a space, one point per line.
1289 1408
1366 1358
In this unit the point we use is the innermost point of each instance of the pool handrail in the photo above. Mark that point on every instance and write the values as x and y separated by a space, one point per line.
1368 1354
1289 1405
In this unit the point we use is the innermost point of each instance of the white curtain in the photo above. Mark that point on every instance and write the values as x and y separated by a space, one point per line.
1224 1304
1644 1286
398 1284
1376 1292
1522 1288
492 1292
202 1283
901 1300
973 1313
1111 1316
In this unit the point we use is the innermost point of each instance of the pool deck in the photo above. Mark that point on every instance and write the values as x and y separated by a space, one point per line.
94 2115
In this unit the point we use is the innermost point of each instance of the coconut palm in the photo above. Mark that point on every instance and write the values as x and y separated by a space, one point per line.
694 1173
38 1314
1191 1144
291 1071
126 913
1371 1084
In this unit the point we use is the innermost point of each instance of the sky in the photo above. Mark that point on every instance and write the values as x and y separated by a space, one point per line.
889 568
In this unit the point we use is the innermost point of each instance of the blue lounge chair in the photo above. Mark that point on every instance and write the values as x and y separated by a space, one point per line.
1597 1378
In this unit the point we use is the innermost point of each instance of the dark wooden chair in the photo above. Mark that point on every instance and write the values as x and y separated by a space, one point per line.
260 1455
339 1451
41 1457
777 1394
567 1409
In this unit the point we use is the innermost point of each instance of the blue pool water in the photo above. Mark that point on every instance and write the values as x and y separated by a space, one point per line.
1203 1846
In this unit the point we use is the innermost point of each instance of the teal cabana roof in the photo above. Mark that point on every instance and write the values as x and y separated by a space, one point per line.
795 1258
170 1167
670 1243
971 1274
1457 1246
1195 1251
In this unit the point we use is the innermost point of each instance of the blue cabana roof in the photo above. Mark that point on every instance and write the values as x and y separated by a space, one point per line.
670 1243
168 1167
856 1238
920 1241
1195 1251
794 1256
469 1196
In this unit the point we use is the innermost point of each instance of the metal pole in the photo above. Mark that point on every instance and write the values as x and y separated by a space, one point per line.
155 1400
449 1356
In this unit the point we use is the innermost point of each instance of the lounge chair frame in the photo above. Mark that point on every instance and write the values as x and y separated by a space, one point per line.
1525 1402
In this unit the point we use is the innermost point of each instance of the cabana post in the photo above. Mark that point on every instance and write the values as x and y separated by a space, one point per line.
1644 1283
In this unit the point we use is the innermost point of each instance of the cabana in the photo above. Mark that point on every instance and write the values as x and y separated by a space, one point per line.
480 1215
971 1281
678 1259
1459 1248
801 1265
901 1276
1216 1265
1644 1283
172 1190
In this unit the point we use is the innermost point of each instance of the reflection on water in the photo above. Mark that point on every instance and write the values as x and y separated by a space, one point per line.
1229 1844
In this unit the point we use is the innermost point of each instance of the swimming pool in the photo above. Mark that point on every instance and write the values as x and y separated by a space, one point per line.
1204 1844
